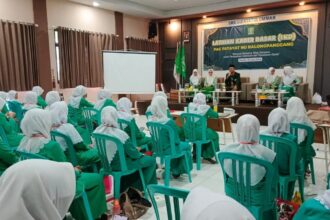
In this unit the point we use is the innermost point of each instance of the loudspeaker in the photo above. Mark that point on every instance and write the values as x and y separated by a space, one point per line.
152 29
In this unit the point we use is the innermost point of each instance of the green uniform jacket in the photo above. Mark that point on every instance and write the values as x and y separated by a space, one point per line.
7 157
76 115
41 102
86 155
108 102
312 210
10 128
141 138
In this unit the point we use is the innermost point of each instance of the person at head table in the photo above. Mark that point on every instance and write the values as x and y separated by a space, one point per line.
233 79
272 80
195 79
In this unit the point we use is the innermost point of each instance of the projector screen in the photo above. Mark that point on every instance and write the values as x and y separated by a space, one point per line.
127 72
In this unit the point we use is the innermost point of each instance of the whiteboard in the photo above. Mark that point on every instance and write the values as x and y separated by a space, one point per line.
127 72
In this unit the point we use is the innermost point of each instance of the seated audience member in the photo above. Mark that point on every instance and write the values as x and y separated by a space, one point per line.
39 91
3 95
202 203
103 100
272 80
297 113
159 114
9 125
36 126
210 82
37 189
14 104
12 96
76 104
290 80
199 106
233 79
7 157
317 208
162 94
195 79
52 97
30 101
124 106
85 154
134 159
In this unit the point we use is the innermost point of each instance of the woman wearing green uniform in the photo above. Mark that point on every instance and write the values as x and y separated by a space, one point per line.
278 125
159 115
30 101
52 97
36 127
39 91
290 80
14 105
7 157
76 104
209 82
104 100
272 81
199 106
85 154
9 125
124 106
134 159
162 94
315 209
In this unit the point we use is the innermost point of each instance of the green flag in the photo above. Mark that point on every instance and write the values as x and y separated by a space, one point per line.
180 62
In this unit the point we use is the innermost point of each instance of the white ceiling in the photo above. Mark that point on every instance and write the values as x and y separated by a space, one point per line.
171 8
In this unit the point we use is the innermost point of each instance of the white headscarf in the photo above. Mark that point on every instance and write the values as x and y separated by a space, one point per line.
201 203
210 80
124 106
3 95
159 110
36 126
297 113
102 96
247 130
325 199
77 95
37 189
59 112
159 93
195 79
30 100
38 90
2 103
289 75
11 96
278 122
199 106
270 77
52 97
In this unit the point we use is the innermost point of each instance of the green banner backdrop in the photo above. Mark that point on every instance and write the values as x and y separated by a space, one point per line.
257 45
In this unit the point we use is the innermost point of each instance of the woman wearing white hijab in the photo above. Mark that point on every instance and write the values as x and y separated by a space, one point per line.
103 100
314 209
30 100
14 105
39 91
8 123
12 95
202 203
272 80
52 97
76 104
36 126
290 80
159 114
124 106
37 189
161 94
199 106
134 158
3 95
85 154
210 80
195 79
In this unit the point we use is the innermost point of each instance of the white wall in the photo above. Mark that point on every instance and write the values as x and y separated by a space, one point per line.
17 10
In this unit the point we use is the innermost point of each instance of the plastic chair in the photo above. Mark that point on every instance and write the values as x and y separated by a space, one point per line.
175 194
105 144
3 136
193 125
241 183
91 115
328 181
294 128
159 135
71 152
123 124
276 144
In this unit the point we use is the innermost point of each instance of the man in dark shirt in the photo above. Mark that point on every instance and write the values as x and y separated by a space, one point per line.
233 79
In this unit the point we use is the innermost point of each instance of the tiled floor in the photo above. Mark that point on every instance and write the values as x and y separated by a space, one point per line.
210 176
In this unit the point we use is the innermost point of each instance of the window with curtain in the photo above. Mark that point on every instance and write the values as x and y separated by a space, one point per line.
80 57
147 46
18 56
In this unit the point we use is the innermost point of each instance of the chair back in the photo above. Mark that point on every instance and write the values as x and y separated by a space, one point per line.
25 155
328 181
3 136
277 144
70 151
123 124
108 146
175 194
91 115
194 125
241 180
161 136
294 129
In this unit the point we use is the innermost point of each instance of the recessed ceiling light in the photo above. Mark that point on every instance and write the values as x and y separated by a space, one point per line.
96 4
302 3
248 10
204 16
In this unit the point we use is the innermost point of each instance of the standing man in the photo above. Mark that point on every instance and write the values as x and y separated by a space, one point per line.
233 79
